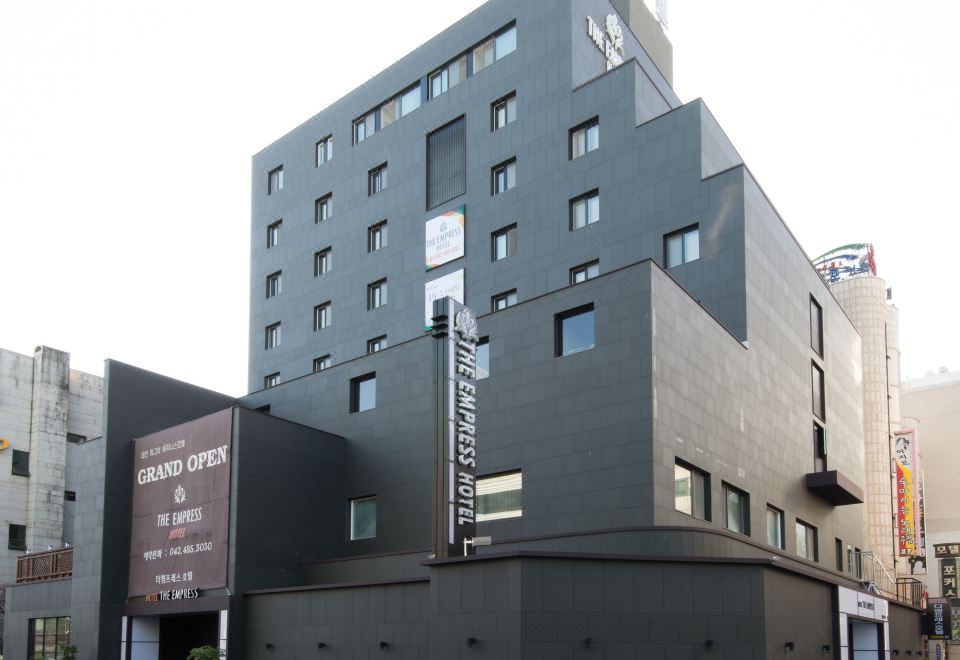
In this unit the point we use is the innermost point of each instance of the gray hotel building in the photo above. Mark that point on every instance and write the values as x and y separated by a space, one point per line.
665 424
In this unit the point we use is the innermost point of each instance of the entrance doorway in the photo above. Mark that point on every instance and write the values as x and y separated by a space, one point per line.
171 637
866 640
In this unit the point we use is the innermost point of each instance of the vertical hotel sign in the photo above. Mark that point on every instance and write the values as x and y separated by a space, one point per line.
181 509
905 459
455 468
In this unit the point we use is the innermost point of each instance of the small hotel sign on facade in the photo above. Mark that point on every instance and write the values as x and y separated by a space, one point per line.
609 41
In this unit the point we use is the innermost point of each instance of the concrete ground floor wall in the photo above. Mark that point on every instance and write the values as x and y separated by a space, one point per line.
563 607
524 604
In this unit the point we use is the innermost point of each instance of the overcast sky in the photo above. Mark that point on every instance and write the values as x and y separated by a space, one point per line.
126 131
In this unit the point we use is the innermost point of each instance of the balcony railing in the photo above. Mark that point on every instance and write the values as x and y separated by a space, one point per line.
49 565
879 578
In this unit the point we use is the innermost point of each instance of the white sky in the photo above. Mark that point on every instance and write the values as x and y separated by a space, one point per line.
126 131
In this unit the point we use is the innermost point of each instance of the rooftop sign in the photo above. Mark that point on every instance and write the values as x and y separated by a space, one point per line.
845 262
609 41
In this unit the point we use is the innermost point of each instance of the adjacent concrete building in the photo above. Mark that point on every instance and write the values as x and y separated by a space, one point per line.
47 410
642 396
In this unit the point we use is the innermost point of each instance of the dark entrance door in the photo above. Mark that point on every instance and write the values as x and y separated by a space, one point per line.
179 634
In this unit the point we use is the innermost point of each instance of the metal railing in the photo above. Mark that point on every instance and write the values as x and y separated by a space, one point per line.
49 565
878 578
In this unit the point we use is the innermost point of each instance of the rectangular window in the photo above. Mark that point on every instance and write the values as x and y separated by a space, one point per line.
503 111
736 510
816 327
389 112
321 363
585 210
691 491
70 495
377 294
275 180
857 563
272 336
377 179
504 242
21 463
682 246
325 150
448 77
819 448
48 637
363 393
321 316
323 208
446 163
410 100
271 380
364 127
503 177
273 284
377 236
816 378
363 518
322 261
17 537
506 42
483 358
504 300
775 527
838 551
499 496
574 331
273 234
584 138
807 541
483 56
376 344
585 272
76 438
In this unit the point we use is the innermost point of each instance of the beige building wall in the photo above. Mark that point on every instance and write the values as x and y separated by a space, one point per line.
932 405
865 301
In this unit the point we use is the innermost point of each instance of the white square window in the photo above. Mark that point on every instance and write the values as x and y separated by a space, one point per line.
377 294
275 180
499 496
322 261
683 246
504 300
274 284
321 316
272 336
325 150
363 518
585 272
504 177
584 138
504 242
273 234
504 111
585 210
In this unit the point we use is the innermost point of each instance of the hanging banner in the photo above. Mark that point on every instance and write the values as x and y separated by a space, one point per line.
181 509
905 456
948 577
939 625
445 235
450 285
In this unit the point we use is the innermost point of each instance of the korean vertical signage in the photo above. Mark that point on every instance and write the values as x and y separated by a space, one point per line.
938 618
181 509
908 494
455 328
